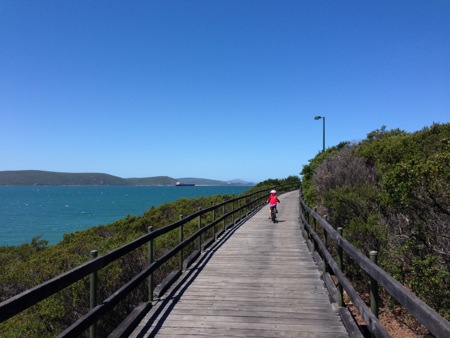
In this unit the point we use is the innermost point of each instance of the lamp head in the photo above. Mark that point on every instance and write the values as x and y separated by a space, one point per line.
317 117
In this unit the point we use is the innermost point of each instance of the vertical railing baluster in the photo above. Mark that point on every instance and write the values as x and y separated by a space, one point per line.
374 286
232 211
308 220
326 266
315 230
340 263
93 295
302 213
240 211
199 240
181 240
214 219
223 214
150 262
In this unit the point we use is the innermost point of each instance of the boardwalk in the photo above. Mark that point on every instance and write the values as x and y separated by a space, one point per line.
259 281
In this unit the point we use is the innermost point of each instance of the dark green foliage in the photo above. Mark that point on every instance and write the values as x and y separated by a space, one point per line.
309 194
391 193
272 183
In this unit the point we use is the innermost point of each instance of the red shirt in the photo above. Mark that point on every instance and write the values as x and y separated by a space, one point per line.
273 199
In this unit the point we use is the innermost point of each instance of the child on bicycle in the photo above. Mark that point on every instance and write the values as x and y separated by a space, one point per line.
273 200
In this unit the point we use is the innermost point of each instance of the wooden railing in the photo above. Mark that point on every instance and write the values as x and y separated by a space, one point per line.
435 323
239 209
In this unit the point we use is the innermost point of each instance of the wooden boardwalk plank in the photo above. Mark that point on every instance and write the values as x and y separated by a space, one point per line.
259 280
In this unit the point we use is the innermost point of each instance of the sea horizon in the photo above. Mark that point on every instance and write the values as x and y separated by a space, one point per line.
49 212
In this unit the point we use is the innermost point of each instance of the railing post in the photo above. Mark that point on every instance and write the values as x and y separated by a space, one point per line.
232 210
240 211
181 240
93 295
199 240
340 263
150 261
308 220
302 213
223 214
326 266
315 230
374 286
214 227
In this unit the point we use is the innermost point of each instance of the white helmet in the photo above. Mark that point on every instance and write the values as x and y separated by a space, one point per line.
273 192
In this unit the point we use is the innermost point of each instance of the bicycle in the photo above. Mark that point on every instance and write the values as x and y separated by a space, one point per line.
273 213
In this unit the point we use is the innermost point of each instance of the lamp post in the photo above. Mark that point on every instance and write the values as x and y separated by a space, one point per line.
323 120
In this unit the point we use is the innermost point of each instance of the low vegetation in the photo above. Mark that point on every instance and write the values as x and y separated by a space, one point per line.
391 193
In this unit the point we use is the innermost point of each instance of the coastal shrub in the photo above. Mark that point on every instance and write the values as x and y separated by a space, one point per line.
310 195
276 182
391 193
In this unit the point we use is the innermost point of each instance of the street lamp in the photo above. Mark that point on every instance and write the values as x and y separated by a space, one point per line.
323 119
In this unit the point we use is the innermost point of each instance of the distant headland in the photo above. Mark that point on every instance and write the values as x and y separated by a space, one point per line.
39 177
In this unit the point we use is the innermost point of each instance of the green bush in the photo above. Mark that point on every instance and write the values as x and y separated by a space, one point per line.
391 193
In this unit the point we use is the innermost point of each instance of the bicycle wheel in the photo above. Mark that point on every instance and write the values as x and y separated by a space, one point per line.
273 214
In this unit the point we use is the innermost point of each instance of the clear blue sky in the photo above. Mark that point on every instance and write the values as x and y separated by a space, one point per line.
213 89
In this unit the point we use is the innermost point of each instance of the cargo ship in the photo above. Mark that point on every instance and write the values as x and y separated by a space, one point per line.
179 184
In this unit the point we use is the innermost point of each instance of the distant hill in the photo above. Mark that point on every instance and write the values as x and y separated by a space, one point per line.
157 180
201 181
38 177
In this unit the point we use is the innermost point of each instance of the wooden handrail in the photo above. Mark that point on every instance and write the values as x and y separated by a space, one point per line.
434 322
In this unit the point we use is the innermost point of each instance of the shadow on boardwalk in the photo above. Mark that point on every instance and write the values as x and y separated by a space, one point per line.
258 280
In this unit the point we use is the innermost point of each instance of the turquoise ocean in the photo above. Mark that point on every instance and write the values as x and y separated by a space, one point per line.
52 211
